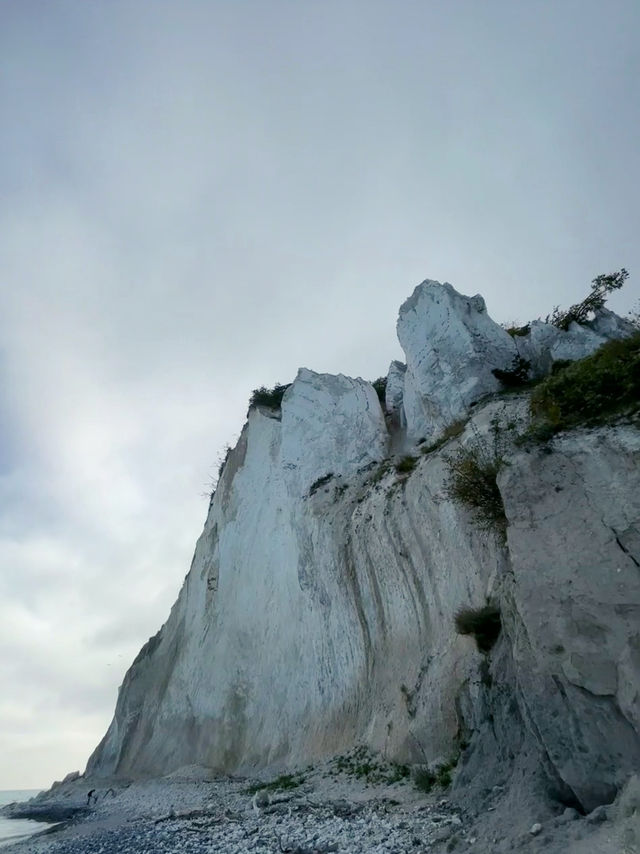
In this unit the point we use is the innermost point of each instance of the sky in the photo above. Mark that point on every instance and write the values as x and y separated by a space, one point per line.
196 199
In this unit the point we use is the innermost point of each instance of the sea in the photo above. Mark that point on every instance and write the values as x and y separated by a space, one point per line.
15 829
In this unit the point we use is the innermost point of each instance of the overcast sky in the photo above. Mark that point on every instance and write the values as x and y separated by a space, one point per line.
197 198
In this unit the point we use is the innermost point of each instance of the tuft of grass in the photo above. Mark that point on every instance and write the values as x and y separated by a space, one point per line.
473 473
454 430
484 624
406 464
364 765
591 390
282 783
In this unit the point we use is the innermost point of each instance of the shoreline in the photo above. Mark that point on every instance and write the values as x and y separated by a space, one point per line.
316 811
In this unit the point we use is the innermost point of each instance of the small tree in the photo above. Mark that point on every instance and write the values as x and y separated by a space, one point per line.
601 287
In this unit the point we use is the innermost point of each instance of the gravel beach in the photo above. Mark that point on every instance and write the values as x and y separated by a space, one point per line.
316 811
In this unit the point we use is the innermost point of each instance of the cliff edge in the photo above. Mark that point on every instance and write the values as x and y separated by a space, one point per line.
319 610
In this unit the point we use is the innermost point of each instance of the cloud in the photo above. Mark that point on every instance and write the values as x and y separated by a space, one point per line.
196 203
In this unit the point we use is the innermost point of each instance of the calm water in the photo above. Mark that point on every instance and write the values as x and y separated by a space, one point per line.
14 829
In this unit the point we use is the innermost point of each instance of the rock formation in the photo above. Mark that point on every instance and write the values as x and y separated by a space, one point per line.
319 608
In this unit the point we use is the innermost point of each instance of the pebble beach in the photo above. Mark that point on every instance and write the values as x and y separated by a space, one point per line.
315 811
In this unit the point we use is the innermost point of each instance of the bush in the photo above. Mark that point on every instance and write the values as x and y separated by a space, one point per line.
424 780
592 389
269 397
560 365
516 376
601 287
406 464
483 623
473 473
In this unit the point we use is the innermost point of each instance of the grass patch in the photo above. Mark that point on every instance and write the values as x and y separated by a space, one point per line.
484 624
590 391
406 464
451 432
282 783
364 765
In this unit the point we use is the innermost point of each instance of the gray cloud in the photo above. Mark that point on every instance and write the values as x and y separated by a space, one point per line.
198 199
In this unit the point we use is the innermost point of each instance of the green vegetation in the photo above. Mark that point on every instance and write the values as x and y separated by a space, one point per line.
321 481
589 391
425 780
364 765
601 287
473 473
406 464
282 783
516 331
483 623
269 397
381 471
451 432
516 376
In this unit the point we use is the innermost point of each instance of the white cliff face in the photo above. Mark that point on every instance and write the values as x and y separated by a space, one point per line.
330 425
318 610
451 345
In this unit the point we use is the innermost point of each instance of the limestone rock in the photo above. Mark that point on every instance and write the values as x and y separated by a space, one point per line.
451 346
318 612
395 386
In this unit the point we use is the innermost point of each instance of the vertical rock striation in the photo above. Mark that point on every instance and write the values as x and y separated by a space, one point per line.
318 610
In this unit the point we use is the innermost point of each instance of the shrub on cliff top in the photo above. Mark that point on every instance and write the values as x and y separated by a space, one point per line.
269 397
592 389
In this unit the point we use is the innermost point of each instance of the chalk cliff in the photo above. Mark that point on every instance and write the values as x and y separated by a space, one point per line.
319 608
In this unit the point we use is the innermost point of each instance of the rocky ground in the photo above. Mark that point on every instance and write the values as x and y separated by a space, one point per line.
347 805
